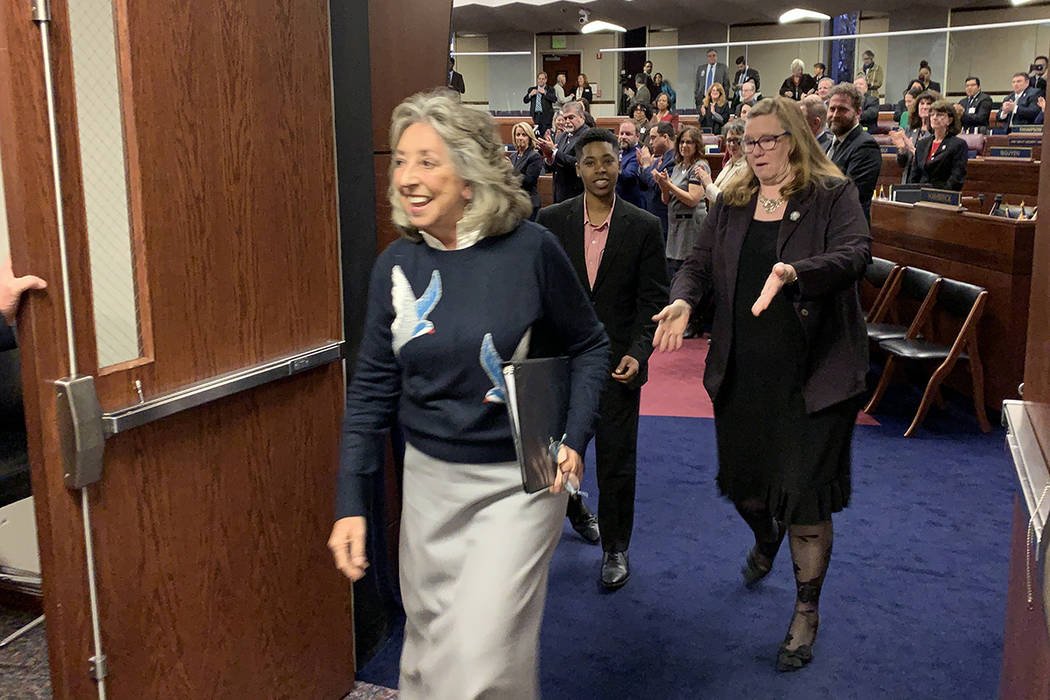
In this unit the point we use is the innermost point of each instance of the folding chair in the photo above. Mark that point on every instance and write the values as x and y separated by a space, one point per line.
960 300
880 274
912 284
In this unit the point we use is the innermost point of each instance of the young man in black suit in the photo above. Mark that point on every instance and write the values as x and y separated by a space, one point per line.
853 150
976 108
618 252
541 99
1022 107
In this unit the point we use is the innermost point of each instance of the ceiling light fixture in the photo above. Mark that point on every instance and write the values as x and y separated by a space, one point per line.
797 14
598 25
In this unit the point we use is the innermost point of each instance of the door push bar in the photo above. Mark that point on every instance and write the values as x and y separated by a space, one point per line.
84 428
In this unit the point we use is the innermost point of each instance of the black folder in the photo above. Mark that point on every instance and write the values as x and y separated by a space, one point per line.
538 403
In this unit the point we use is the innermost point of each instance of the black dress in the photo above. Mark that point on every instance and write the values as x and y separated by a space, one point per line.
769 448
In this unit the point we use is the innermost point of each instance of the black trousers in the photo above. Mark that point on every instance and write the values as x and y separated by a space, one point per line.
616 455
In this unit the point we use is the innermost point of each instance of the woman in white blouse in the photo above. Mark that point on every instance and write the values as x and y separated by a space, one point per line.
733 133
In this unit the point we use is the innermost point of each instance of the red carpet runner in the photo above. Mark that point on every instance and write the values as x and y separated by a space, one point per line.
675 388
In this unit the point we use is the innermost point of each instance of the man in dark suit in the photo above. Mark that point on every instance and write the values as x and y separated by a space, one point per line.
658 157
617 250
1022 107
455 80
541 99
743 74
976 108
628 183
560 155
869 109
816 114
853 150
708 74
1037 76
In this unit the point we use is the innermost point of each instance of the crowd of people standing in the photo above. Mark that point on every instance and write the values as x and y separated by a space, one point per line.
642 242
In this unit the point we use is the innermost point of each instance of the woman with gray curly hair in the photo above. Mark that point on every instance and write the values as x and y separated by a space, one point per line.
469 284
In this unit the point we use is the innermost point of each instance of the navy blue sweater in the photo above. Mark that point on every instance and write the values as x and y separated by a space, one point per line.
438 325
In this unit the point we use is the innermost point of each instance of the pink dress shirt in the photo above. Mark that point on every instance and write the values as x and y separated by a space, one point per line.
594 240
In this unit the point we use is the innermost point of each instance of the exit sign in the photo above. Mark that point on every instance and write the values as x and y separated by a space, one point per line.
558 41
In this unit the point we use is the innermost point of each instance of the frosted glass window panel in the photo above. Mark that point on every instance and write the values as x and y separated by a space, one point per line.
102 155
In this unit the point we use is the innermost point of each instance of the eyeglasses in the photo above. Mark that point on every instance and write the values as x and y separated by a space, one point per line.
768 143
732 142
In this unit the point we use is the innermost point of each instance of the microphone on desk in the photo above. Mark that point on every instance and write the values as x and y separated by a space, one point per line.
995 205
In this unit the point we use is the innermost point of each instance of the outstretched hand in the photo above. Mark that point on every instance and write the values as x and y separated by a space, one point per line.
782 274
671 324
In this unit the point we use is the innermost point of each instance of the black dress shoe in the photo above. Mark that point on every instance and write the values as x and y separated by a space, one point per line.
615 570
584 521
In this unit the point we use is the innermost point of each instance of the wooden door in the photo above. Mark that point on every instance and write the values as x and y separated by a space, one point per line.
209 526
567 63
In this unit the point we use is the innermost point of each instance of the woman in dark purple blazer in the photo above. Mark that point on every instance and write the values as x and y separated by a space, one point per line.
782 251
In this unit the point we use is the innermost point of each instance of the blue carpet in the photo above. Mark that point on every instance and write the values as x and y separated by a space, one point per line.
913 605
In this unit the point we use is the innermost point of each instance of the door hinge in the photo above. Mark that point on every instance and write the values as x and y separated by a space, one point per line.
97 667
41 10
80 431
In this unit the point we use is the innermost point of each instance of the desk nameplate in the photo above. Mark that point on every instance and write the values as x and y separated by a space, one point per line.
1012 152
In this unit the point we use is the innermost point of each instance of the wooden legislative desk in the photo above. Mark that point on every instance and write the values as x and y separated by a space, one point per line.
989 251
1017 178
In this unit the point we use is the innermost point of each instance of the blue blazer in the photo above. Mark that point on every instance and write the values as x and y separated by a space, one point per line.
629 184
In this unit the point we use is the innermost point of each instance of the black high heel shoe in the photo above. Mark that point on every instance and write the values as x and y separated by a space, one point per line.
796 659
755 567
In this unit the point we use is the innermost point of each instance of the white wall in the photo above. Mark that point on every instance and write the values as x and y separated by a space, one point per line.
880 46
994 55
604 71
475 69
773 61
665 62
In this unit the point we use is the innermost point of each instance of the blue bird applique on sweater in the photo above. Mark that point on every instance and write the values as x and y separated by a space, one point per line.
493 365
410 313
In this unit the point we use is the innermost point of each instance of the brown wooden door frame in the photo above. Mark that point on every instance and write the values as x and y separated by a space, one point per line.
210 525
569 64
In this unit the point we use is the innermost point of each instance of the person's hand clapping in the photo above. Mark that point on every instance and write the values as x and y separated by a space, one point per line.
347 544
645 157
1041 101
12 288
1008 106
671 324
662 179
702 174
782 274
570 466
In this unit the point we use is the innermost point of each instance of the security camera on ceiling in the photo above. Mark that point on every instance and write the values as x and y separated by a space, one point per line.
585 16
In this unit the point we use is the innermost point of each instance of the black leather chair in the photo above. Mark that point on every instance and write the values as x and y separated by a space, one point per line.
911 284
960 301
880 275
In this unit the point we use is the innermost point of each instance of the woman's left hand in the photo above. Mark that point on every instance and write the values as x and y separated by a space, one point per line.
782 274
570 466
